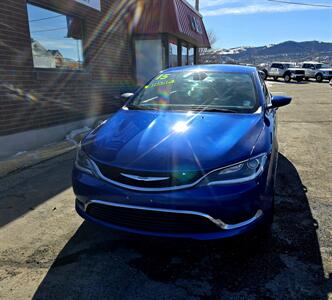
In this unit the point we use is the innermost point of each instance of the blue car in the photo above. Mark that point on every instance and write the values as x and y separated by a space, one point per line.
192 154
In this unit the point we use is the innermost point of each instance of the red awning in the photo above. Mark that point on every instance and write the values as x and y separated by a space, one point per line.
175 17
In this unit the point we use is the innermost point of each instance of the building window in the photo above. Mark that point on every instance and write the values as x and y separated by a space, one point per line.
149 59
184 56
195 24
173 55
191 56
56 39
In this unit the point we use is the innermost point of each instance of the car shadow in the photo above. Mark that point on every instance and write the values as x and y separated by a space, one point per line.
102 264
40 183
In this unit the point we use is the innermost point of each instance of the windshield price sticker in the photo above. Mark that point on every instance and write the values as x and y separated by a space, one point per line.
162 77
161 80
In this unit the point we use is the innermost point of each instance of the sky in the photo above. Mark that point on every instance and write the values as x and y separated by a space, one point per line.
234 22
261 22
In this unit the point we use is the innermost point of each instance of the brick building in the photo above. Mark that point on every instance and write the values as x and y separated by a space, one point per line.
65 62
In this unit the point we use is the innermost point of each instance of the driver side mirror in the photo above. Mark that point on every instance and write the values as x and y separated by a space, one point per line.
279 101
262 74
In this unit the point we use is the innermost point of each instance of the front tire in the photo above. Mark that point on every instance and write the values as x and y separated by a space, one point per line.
287 77
319 77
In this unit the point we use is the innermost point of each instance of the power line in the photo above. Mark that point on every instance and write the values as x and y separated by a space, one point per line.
301 3
53 29
53 17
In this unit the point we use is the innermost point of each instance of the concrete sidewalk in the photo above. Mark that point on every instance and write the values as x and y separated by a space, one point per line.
27 159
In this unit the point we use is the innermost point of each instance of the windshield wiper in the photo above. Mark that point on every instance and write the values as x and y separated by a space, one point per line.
141 107
214 109
226 110
195 108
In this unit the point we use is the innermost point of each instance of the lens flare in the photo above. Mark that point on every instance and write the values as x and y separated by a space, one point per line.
163 97
180 127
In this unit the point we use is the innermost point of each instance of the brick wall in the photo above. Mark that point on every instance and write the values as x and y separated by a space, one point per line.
31 98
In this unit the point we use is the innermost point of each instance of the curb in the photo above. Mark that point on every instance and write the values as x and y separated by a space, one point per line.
24 160
28 159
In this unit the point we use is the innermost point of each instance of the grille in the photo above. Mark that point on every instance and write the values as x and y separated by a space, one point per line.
173 179
299 72
152 221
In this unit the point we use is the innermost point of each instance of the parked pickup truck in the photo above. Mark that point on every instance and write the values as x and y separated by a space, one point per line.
319 71
288 71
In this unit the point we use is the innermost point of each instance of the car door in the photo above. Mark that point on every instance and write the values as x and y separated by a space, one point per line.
274 70
306 68
281 70
271 125
271 120
312 70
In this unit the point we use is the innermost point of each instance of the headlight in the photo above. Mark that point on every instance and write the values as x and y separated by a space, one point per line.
238 173
84 163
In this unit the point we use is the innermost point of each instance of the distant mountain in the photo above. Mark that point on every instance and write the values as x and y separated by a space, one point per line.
286 51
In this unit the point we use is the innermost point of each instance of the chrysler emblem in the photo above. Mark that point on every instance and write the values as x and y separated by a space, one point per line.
140 178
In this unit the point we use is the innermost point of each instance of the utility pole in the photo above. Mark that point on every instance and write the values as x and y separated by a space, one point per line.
197 5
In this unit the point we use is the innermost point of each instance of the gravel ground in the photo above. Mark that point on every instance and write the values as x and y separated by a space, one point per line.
47 252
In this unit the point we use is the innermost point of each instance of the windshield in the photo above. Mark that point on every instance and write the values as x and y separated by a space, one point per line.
192 90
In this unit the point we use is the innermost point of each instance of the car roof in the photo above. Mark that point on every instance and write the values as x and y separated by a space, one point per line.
214 68
313 62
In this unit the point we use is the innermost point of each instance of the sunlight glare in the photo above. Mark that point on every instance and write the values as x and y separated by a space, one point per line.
180 127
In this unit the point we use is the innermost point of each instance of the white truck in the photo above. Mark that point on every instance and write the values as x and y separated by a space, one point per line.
286 70
319 71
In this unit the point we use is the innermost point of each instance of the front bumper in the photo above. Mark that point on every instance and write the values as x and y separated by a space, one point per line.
297 76
209 212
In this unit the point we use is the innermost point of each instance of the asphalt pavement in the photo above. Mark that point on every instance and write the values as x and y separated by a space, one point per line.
48 252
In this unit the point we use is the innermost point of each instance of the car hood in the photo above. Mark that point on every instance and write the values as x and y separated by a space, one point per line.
164 141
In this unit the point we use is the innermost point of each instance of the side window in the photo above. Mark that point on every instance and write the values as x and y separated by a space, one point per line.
277 66
173 54
266 92
56 39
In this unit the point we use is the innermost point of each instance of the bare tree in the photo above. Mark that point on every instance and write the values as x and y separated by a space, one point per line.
212 37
